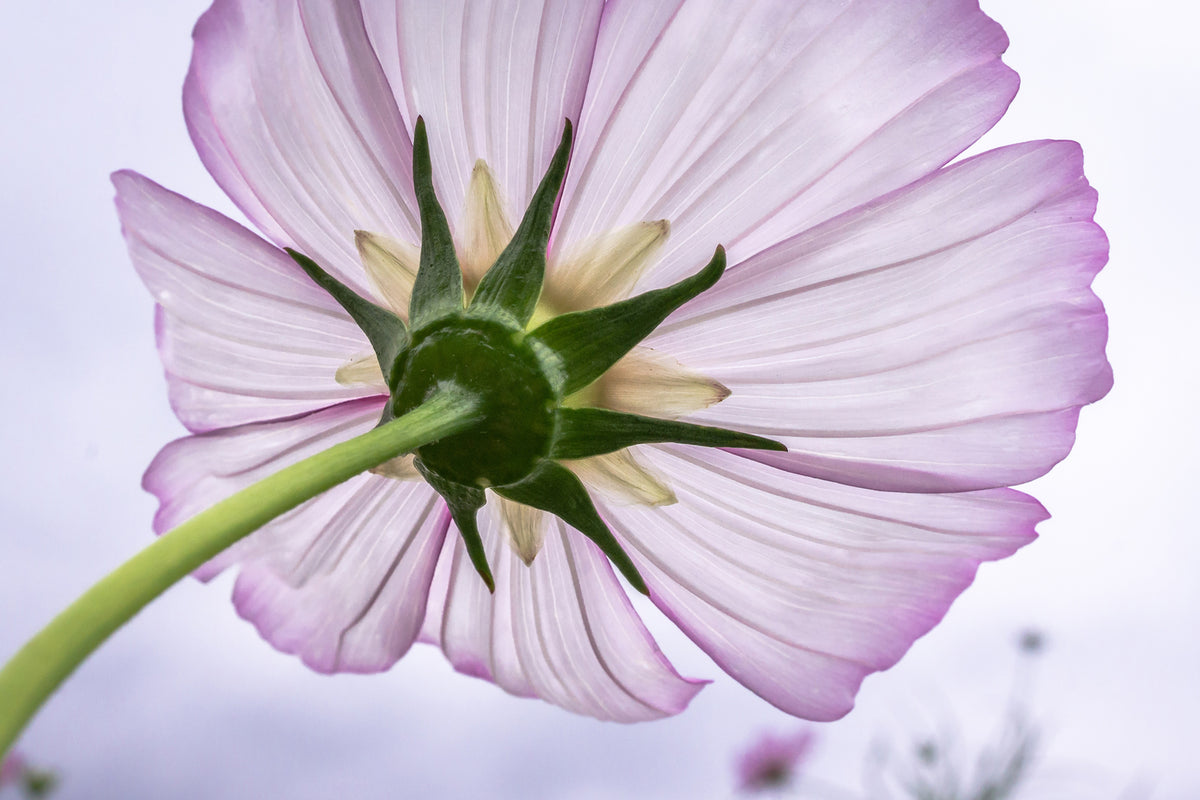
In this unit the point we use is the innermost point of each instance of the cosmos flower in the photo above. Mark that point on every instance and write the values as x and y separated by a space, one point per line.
773 761
920 336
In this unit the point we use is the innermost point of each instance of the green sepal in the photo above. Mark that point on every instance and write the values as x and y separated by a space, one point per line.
438 288
513 283
384 330
554 488
584 432
586 343
464 503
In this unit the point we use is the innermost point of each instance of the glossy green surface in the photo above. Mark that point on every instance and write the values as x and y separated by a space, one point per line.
492 361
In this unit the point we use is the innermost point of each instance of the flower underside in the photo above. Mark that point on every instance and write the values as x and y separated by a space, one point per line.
534 359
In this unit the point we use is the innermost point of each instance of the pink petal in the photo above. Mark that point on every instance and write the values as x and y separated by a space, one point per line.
941 338
192 474
799 588
244 335
354 597
293 116
341 580
722 116
493 80
562 629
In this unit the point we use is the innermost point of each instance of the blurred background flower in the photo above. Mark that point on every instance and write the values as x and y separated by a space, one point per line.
945 760
23 779
774 761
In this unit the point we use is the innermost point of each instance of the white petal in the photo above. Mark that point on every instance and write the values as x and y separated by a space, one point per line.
293 116
561 629
798 587
493 80
717 116
342 579
243 333
940 339
192 474
353 598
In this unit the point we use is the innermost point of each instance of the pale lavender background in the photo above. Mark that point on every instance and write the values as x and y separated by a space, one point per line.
188 703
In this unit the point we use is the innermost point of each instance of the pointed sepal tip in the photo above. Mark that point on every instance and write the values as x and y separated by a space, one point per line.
464 503
554 488
438 288
512 285
586 432
384 330
584 356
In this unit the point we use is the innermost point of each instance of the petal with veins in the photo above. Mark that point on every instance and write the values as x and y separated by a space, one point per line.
293 116
244 335
355 600
898 355
493 80
341 580
561 628
196 472
798 587
717 116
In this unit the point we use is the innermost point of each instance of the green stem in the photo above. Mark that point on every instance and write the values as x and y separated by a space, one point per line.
39 667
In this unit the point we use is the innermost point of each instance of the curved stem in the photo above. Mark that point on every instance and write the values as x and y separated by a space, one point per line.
38 668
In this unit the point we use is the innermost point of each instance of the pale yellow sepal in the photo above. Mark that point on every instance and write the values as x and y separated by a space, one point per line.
604 269
526 528
401 468
391 266
619 477
649 383
362 371
486 226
